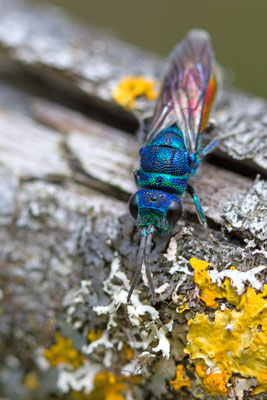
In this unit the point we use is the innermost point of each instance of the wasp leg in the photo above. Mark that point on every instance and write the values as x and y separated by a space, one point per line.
200 214
214 142
143 127
211 146
136 176
211 126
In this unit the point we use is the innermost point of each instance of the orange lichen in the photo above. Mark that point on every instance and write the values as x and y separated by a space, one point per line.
215 384
130 88
181 379
63 352
210 291
235 342
94 335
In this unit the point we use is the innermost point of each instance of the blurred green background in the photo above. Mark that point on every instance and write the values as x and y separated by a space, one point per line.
238 29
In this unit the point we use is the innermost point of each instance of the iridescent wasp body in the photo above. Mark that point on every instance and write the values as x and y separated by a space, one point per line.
171 151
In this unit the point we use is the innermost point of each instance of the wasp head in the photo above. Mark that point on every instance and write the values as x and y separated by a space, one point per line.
154 211
155 208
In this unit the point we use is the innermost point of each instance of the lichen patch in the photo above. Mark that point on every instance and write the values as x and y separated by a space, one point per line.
132 87
235 342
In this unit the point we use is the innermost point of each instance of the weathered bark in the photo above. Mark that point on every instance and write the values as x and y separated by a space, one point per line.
68 244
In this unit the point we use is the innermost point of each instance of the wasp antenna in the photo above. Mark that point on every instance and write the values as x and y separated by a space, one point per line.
147 262
140 259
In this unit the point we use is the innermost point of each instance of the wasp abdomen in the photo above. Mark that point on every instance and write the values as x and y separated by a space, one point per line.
165 163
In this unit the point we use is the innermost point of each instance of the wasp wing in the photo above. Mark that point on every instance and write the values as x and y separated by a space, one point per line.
188 90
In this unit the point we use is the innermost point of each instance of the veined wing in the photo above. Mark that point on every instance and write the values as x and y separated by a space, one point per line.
188 90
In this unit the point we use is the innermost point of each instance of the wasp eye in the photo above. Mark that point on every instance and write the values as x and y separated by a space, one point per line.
133 207
174 212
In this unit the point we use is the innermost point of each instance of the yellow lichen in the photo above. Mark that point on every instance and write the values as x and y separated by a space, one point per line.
183 307
63 352
210 291
215 384
229 293
235 342
264 291
201 368
94 335
31 381
107 386
127 352
79 395
181 379
182 304
130 88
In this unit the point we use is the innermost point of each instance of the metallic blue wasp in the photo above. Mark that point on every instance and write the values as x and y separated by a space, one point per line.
171 151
